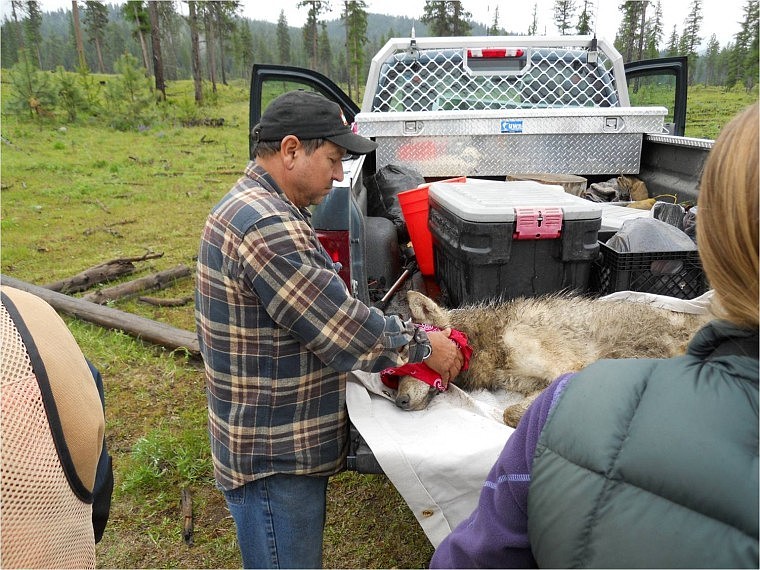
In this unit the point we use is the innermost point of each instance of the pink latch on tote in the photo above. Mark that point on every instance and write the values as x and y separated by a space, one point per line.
538 223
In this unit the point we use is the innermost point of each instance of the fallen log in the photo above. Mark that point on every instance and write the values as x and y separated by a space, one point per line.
148 330
100 273
156 302
154 281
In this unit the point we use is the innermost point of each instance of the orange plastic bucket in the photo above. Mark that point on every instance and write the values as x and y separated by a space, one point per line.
415 208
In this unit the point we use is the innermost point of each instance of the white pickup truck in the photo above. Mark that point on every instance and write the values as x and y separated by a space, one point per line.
487 107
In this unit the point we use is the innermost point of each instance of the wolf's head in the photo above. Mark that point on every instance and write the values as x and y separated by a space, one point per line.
414 394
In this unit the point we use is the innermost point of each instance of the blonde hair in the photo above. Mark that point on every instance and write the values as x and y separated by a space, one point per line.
727 219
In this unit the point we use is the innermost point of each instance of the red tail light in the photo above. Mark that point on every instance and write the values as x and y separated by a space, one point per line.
336 244
495 52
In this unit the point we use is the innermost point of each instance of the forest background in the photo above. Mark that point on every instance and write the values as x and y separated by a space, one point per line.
101 160
213 43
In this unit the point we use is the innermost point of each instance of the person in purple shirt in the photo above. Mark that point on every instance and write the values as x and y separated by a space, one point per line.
496 533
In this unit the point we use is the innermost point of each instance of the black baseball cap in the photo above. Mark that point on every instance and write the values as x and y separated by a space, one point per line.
309 116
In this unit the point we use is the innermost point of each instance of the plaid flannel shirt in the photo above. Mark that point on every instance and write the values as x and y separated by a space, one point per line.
278 332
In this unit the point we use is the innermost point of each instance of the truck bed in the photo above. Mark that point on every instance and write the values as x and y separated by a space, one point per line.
439 457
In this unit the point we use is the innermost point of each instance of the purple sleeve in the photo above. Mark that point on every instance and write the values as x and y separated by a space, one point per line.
496 534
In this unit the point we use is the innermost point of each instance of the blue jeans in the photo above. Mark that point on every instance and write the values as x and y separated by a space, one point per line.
280 520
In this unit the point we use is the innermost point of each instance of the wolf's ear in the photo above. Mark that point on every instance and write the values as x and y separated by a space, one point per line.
425 310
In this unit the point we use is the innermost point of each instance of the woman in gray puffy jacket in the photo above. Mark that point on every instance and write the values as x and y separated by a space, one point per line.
645 463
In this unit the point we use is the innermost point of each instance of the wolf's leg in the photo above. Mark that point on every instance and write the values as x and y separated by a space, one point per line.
514 413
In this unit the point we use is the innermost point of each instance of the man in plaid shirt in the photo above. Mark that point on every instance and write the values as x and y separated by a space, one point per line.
279 331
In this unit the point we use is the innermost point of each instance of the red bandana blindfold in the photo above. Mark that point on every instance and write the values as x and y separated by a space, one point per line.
421 371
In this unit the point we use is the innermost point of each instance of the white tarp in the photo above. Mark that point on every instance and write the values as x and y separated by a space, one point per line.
439 457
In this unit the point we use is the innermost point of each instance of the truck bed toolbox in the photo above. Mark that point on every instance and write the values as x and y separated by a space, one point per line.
588 141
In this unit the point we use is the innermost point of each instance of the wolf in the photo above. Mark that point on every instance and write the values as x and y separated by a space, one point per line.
523 344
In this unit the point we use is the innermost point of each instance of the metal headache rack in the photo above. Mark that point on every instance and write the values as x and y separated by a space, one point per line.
491 106
492 73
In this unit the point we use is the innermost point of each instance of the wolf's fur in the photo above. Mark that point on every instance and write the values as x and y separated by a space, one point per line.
523 344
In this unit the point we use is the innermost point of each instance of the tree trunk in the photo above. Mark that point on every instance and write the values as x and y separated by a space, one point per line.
99 274
99 51
142 41
210 51
642 28
221 56
17 28
196 55
172 71
159 280
155 41
78 34
146 329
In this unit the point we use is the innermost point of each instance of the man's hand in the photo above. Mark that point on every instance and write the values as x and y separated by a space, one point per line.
446 358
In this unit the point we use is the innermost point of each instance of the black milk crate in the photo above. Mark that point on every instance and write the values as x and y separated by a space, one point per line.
673 273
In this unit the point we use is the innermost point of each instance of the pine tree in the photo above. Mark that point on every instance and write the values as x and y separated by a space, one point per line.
95 20
225 12
206 10
744 64
243 42
628 31
533 28
134 12
673 43
195 51
355 20
32 25
691 27
18 9
446 18
325 51
585 20
641 32
283 39
173 26
9 47
342 69
711 60
311 30
155 44
30 89
78 34
724 64
690 38
654 33
494 29
753 55
460 24
564 10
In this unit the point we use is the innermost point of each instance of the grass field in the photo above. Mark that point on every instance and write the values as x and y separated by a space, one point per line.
74 195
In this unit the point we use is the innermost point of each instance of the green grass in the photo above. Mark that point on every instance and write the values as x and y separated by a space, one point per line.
74 195
708 109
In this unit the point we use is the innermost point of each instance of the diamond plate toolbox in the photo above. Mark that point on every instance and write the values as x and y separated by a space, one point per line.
588 141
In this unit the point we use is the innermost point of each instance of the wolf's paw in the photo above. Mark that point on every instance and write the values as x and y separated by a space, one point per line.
513 414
